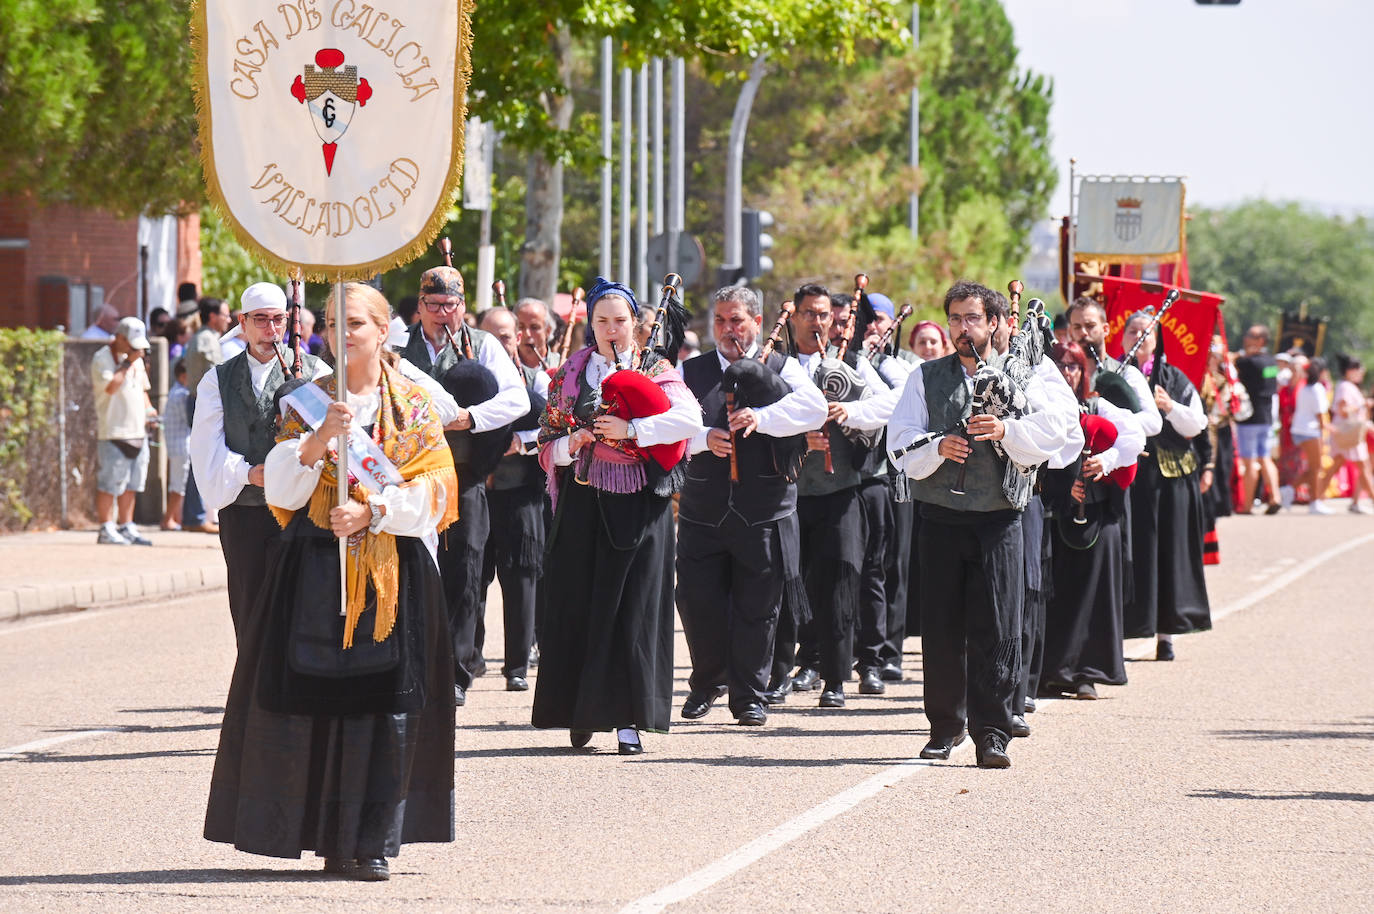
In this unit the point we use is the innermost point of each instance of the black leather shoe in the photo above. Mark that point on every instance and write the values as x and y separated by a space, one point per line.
460 695
696 705
753 716
1019 727
517 684
1028 706
941 747
805 679
992 751
870 683
372 869
634 748
777 691
338 866
1164 650
579 738
1085 691
891 673
833 696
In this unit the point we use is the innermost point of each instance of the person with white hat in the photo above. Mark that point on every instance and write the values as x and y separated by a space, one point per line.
119 381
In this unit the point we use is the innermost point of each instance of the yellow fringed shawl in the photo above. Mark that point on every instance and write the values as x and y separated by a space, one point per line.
410 434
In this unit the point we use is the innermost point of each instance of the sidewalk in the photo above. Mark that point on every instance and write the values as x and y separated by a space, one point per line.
68 570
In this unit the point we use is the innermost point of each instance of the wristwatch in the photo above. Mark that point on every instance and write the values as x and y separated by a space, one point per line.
629 428
377 514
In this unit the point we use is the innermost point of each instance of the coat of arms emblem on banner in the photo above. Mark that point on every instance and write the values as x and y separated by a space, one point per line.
1128 218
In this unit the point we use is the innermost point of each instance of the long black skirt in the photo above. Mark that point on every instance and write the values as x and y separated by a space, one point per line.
343 784
606 638
1169 594
1083 618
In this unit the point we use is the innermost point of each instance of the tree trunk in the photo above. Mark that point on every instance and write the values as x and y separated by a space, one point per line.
539 257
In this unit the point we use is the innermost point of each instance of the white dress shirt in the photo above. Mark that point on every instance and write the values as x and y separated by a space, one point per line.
510 403
1035 438
865 415
1130 440
802 410
1187 418
681 422
1062 398
530 438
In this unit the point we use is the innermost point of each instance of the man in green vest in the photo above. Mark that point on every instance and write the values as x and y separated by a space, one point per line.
970 541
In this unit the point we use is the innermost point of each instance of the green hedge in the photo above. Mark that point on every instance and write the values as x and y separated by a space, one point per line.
30 361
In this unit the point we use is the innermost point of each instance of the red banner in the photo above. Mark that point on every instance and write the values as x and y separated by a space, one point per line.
1188 326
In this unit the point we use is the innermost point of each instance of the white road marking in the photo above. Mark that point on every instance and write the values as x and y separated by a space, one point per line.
765 844
39 745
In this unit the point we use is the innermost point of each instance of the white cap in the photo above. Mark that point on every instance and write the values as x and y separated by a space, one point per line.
132 329
260 296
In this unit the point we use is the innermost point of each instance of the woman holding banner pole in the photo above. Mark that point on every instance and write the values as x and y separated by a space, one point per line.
338 730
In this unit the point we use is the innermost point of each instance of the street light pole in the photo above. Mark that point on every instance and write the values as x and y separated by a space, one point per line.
915 158
734 169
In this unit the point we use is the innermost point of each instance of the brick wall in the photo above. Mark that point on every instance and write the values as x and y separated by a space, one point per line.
86 246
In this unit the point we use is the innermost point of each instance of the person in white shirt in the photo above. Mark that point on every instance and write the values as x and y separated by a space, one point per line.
119 380
103 328
738 540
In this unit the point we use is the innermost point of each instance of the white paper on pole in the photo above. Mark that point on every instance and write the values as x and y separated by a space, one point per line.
1129 220
332 130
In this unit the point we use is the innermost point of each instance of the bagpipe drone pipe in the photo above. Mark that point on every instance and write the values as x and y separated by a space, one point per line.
750 384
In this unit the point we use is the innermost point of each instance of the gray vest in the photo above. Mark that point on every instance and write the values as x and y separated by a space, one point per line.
947 402
250 423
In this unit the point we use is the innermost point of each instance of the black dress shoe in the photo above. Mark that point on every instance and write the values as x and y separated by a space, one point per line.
1085 691
870 683
753 716
517 684
697 705
1019 727
339 866
1164 650
940 747
460 695
891 673
579 738
992 751
634 748
777 691
833 696
1028 706
372 869
805 679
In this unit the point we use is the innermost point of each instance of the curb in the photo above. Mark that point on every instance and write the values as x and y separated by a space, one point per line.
46 599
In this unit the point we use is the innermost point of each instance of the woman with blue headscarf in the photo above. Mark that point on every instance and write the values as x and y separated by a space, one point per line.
606 642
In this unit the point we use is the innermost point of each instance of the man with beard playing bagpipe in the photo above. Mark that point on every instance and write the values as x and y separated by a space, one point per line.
828 506
967 435
1086 500
1170 591
483 380
885 549
738 536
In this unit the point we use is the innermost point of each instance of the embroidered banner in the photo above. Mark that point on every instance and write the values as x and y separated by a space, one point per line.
1188 325
331 131
1129 220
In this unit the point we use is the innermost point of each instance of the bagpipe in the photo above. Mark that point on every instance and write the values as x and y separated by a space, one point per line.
1155 318
471 383
842 384
749 384
878 346
630 393
1099 435
295 372
565 344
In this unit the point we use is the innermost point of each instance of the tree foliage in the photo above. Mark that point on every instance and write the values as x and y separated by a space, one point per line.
1267 258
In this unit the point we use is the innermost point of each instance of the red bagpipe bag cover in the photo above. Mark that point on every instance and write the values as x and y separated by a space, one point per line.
1099 434
634 395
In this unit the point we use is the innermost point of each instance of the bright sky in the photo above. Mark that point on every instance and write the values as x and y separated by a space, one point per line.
1271 98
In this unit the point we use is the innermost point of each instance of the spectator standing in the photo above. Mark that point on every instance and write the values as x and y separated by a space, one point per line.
176 438
1349 423
1258 372
106 319
119 380
177 333
157 320
1309 428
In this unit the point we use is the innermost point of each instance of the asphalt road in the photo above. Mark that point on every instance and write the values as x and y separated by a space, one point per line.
1238 778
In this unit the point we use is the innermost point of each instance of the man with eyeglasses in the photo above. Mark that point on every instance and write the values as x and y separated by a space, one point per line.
233 429
442 305
970 542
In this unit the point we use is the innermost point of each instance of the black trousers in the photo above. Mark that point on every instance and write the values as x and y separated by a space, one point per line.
897 574
870 629
729 594
249 536
1034 536
832 553
515 548
971 596
461 547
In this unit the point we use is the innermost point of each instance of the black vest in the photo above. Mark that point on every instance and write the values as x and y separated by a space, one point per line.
250 423
708 496
416 352
515 471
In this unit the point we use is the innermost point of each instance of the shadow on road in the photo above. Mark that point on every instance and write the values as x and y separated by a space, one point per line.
1275 795
1301 734
44 757
168 877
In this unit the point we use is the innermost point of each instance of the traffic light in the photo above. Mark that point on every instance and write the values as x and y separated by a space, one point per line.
755 242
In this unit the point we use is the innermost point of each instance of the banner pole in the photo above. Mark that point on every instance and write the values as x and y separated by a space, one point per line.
341 444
